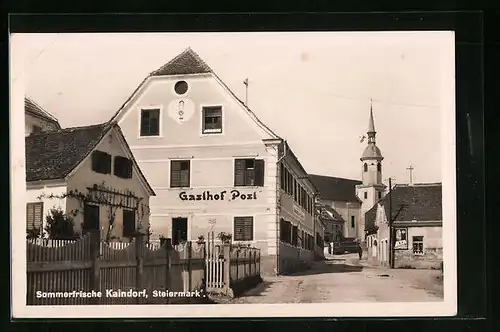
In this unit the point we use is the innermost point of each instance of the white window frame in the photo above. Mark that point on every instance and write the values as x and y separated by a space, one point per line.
160 120
223 132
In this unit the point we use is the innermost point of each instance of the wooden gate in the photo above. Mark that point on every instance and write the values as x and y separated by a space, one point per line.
214 266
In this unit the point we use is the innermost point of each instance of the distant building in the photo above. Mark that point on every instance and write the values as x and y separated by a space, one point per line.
352 198
216 167
417 214
91 175
334 223
37 119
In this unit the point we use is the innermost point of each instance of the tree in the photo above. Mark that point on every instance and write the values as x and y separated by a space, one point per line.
60 226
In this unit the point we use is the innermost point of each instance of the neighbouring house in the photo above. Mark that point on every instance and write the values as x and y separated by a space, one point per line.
334 225
417 213
90 174
37 119
215 167
320 237
340 195
353 198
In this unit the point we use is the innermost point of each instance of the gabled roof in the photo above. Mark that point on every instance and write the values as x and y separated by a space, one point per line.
419 202
33 108
189 62
327 213
370 218
336 189
53 155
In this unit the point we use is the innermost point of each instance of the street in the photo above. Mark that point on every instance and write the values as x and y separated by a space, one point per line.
344 279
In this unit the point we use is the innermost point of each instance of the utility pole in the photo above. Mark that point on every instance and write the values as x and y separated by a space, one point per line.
246 91
391 228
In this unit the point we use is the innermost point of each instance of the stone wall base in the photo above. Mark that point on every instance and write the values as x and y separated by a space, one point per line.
268 265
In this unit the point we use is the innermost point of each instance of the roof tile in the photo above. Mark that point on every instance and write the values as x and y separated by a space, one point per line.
420 202
187 62
54 154
336 189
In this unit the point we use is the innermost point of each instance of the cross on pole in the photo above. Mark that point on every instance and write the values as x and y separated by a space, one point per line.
410 170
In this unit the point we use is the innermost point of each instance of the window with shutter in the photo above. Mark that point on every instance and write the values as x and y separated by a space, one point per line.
180 173
248 172
34 216
128 222
243 228
101 162
123 167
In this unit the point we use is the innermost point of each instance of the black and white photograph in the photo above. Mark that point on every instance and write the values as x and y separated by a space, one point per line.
215 173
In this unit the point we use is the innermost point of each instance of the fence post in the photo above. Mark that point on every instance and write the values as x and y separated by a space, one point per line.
226 274
189 247
139 255
95 253
237 263
167 244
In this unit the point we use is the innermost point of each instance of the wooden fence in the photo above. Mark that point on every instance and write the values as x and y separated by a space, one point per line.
229 266
129 273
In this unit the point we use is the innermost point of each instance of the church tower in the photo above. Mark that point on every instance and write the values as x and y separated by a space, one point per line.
372 189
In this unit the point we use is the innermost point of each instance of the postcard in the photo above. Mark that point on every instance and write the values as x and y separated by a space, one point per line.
233 174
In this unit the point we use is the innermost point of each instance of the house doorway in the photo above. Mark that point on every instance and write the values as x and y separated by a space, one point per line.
91 222
179 230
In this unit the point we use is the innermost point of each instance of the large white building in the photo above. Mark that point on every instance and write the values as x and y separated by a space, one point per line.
216 167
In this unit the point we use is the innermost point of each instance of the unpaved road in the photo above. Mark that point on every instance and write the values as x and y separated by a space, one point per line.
345 280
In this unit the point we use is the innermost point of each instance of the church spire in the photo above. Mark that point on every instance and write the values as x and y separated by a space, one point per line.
371 126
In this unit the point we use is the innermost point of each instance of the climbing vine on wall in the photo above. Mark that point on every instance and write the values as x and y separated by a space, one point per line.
102 195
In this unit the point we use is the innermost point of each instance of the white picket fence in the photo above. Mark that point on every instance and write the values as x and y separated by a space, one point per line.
51 243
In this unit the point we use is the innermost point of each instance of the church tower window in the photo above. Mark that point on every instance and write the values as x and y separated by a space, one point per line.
379 195
365 167
365 195
379 167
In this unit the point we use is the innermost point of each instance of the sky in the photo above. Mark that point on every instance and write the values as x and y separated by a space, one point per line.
312 89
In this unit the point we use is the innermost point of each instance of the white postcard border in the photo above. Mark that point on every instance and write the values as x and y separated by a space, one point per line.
448 307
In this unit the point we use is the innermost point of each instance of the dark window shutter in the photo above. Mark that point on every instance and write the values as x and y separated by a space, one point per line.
101 162
282 177
259 172
95 161
123 167
239 172
128 222
38 215
30 216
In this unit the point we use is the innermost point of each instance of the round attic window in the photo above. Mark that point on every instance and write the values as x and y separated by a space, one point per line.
181 87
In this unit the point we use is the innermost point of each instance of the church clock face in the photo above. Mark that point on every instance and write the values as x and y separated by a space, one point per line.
181 110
